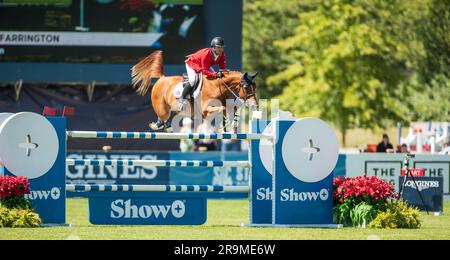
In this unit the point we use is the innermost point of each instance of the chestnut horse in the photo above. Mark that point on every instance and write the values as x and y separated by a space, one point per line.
148 73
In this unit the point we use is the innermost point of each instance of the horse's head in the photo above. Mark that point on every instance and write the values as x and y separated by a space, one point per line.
248 89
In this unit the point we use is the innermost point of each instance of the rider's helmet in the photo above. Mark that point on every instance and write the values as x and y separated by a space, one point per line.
218 41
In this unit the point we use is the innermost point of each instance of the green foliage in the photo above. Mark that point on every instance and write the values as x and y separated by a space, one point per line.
362 214
15 201
429 101
430 92
341 213
397 215
265 22
356 215
14 217
433 31
356 63
347 66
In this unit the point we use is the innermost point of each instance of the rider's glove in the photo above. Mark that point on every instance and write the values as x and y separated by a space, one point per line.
219 74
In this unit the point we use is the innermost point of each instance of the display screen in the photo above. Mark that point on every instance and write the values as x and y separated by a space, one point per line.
99 31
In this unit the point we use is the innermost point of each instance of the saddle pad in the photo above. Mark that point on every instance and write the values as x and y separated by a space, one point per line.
178 90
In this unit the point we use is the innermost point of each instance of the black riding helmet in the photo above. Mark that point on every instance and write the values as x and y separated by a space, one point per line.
218 41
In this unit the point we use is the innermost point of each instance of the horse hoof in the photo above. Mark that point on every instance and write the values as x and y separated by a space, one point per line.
154 126
169 129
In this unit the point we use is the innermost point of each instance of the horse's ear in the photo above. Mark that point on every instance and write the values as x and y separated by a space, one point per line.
253 76
245 75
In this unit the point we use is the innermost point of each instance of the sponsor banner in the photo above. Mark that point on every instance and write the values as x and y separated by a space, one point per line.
147 208
109 39
120 174
431 189
419 172
210 176
389 166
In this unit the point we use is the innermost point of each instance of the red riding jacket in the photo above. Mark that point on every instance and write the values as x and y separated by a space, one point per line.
203 60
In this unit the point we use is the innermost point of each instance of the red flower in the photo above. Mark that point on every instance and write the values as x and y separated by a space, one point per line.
10 186
362 188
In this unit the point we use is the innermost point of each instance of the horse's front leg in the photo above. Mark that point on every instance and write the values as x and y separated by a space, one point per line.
214 113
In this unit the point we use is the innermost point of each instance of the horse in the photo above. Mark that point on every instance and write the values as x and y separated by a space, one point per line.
149 73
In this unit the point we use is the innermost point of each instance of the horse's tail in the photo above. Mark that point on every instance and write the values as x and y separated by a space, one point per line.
146 71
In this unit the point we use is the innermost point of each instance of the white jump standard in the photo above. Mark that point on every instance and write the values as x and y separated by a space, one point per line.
290 161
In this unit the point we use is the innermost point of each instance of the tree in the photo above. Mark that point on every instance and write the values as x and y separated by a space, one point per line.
266 21
349 62
430 94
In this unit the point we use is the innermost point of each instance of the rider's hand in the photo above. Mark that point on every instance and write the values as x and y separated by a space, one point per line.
219 74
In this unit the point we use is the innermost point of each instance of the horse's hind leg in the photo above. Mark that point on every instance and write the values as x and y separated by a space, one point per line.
163 112
162 122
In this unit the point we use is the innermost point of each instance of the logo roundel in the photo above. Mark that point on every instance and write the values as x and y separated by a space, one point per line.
178 209
28 144
310 150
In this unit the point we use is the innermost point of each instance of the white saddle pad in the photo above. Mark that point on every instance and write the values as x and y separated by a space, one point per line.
178 90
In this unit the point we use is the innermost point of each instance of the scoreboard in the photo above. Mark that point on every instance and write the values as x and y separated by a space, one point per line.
99 31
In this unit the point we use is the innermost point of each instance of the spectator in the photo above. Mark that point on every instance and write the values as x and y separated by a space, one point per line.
404 149
206 144
445 148
384 145
186 145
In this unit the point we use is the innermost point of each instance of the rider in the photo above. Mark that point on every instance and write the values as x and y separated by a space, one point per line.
201 62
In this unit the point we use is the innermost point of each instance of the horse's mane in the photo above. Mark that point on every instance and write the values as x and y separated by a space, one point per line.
148 68
232 73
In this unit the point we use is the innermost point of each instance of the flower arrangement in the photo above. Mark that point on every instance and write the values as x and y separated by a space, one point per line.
362 188
13 190
359 200
15 210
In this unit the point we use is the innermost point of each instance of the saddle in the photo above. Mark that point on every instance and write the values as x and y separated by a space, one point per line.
194 92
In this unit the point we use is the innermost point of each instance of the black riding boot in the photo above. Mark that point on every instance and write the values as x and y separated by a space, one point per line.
184 95
186 90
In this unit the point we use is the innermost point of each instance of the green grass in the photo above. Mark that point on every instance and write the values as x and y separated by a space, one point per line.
224 219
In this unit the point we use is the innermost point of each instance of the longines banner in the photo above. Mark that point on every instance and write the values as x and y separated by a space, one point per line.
430 189
389 166
99 31
120 174
158 175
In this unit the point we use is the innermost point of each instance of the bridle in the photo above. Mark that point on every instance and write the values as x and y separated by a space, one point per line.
245 87
242 84
252 93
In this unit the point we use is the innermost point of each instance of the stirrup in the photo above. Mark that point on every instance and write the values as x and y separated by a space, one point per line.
181 104
155 126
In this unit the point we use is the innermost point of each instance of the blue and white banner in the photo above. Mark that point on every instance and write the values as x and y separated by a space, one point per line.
210 176
147 208
124 174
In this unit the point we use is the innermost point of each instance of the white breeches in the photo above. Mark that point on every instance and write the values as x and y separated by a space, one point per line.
192 75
